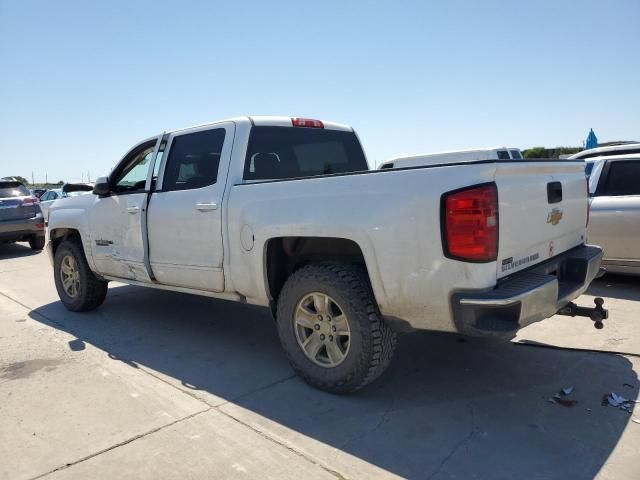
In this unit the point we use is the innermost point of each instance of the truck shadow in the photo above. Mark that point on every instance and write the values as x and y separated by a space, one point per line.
16 250
624 287
446 407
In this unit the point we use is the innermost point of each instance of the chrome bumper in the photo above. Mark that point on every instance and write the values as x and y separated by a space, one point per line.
528 296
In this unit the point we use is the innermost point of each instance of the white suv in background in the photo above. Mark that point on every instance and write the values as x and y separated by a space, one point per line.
457 156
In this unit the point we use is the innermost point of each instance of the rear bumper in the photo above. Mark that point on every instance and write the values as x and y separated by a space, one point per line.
528 296
18 230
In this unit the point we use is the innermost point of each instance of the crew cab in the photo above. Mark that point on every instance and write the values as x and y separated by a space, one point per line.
285 213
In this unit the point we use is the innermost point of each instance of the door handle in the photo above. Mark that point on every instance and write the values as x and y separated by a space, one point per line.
206 207
133 209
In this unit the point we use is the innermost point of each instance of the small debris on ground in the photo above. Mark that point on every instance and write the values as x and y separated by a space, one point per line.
565 402
636 420
618 401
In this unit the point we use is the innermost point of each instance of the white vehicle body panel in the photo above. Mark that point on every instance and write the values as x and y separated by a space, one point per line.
614 220
193 220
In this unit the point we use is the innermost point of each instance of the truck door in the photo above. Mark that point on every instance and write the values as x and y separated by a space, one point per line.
184 217
615 212
115 221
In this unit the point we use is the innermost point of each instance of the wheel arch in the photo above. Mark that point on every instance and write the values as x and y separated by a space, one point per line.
58 235
285 255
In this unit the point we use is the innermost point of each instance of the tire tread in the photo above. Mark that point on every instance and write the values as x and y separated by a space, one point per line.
353 280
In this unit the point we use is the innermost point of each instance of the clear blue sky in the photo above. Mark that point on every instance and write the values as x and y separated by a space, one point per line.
82 81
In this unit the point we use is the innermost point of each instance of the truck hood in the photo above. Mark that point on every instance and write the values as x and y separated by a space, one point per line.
80 202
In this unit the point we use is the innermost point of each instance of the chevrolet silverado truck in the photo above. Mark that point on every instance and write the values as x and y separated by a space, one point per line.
285 213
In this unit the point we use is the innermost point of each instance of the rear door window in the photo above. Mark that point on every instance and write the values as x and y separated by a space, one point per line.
193 160
623 178
515 154
289 152
503 155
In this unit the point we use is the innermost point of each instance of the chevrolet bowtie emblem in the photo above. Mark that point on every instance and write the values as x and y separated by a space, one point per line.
554 216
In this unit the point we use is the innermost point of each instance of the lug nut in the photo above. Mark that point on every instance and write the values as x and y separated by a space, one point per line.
316 326
331 338
333 328
320 317
322 336
328 318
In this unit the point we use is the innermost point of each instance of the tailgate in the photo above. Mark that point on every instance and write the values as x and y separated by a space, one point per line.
542 211
14 209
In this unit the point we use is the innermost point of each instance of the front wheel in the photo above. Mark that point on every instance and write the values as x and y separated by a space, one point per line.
331 329
78 288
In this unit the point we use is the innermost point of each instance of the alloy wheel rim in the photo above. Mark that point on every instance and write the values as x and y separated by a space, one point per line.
70 276
322 330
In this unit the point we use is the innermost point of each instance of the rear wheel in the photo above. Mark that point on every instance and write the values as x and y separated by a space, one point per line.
331 329
78 288
37 242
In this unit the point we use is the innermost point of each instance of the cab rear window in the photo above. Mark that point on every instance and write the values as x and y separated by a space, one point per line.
13 189
287 152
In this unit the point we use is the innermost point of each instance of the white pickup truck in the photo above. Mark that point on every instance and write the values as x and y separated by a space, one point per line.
285 213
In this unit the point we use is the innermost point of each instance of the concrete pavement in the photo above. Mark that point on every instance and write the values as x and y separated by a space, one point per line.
161 385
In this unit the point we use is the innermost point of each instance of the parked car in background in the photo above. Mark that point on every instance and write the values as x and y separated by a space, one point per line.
474 155
68 190
622 149
614 186
47 199
285 213
37 192
20 215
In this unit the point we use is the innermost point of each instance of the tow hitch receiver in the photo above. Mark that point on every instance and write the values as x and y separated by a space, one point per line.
597 313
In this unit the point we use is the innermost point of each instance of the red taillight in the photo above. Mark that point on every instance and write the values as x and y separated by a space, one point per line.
306 122
39 225
471 223
30 201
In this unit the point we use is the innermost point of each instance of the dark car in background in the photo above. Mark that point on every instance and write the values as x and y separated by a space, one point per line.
21 218
38 192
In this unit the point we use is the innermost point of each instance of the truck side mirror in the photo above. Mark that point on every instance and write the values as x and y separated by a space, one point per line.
102 186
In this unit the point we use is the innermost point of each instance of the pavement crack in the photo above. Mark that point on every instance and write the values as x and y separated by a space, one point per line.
120 444
258 390
283 444
381 421
462 443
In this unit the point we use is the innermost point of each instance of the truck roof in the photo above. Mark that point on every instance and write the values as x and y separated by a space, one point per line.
269 121
610 150
620 156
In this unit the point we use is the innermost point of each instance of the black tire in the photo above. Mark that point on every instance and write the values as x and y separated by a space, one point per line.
91 292
372 342
37 242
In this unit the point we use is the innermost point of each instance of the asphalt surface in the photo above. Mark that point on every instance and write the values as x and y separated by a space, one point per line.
157 384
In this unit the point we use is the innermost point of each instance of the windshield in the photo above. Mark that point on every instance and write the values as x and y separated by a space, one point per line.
13 189
290 152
